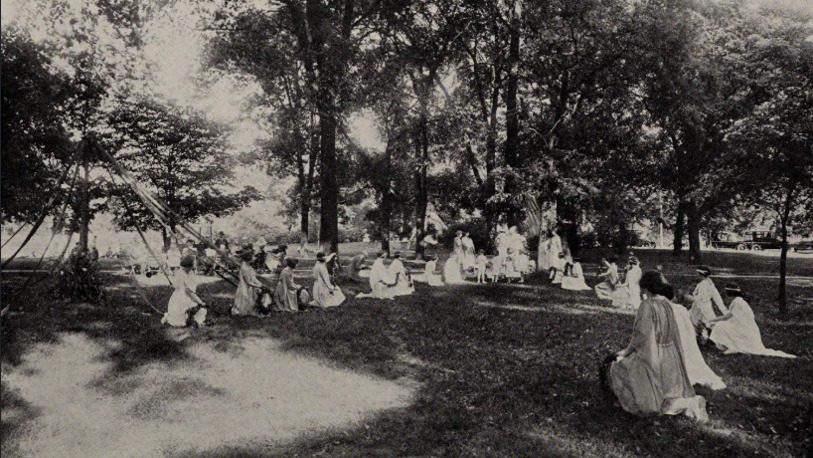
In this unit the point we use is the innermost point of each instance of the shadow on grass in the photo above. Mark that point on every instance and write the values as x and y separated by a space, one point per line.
493 381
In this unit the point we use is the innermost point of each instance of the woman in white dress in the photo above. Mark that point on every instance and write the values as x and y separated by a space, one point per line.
696 368
457 246
554 247
286 296
737 331
628 294
185 307
574 277
452 274
605 289
511 266
248 290
382 286
432 278
403 281
469 256
325 293
557 269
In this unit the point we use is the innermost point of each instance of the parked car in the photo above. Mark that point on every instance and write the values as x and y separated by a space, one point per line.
729 240
751 240
802 245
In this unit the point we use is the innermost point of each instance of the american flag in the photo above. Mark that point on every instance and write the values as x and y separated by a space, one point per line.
533 214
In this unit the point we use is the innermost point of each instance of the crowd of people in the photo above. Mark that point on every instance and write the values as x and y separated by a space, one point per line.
654 374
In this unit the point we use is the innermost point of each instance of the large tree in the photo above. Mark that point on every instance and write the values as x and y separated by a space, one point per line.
181 157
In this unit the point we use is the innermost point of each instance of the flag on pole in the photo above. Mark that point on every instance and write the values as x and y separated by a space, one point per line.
533 214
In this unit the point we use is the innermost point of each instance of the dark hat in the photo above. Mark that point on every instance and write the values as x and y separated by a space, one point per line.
320 256
187 262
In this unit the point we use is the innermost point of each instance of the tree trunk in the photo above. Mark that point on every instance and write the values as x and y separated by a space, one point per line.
329 192
693 224
512 114
677 244
166 240
422 195
84 215
783 254
386 212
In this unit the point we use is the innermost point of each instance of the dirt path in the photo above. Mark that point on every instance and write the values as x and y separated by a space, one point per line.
248 394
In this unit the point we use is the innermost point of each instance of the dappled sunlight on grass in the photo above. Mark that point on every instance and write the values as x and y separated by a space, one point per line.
250 392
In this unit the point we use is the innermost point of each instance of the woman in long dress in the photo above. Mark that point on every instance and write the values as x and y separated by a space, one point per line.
457 246
557 269
185 306
511 266
432 278
248 290
403 281
381 285
325 293
356 265
628 294
554 247
452 273
574 277
605 289
650 376
737 331
286 297
469 256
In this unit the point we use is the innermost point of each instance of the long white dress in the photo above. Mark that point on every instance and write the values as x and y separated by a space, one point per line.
696 368
575 281
705 293
628 294
180 301
604 290
404 286
554 248
325 294
451 271
432 278
740 333
379 281
469 258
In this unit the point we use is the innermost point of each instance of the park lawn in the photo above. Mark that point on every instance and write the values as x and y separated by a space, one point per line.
499 370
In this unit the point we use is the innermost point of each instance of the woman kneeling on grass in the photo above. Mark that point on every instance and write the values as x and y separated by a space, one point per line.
185 308
737 331
650 376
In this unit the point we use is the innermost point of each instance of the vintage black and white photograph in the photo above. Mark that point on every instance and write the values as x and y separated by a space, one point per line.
406 228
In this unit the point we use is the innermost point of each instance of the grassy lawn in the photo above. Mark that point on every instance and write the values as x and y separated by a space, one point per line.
497 370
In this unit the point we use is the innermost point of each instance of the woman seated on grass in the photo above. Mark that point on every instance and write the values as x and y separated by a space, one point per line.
249 288
650 376
737 331
286 297
403 281
605 289
432 278
696 368
628 294
185 307
573 278
452 272
381 284
325 293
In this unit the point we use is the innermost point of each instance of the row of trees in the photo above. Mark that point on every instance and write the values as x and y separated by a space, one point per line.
610 112
82 95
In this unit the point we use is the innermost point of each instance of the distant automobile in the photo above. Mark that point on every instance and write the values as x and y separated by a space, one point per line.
802 245
752 240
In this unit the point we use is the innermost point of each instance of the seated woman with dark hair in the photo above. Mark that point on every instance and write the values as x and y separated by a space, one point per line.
288 295
605 289
737 331
650 376
325 293
185 307
249 288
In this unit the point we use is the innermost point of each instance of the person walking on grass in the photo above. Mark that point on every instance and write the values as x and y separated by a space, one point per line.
185 306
